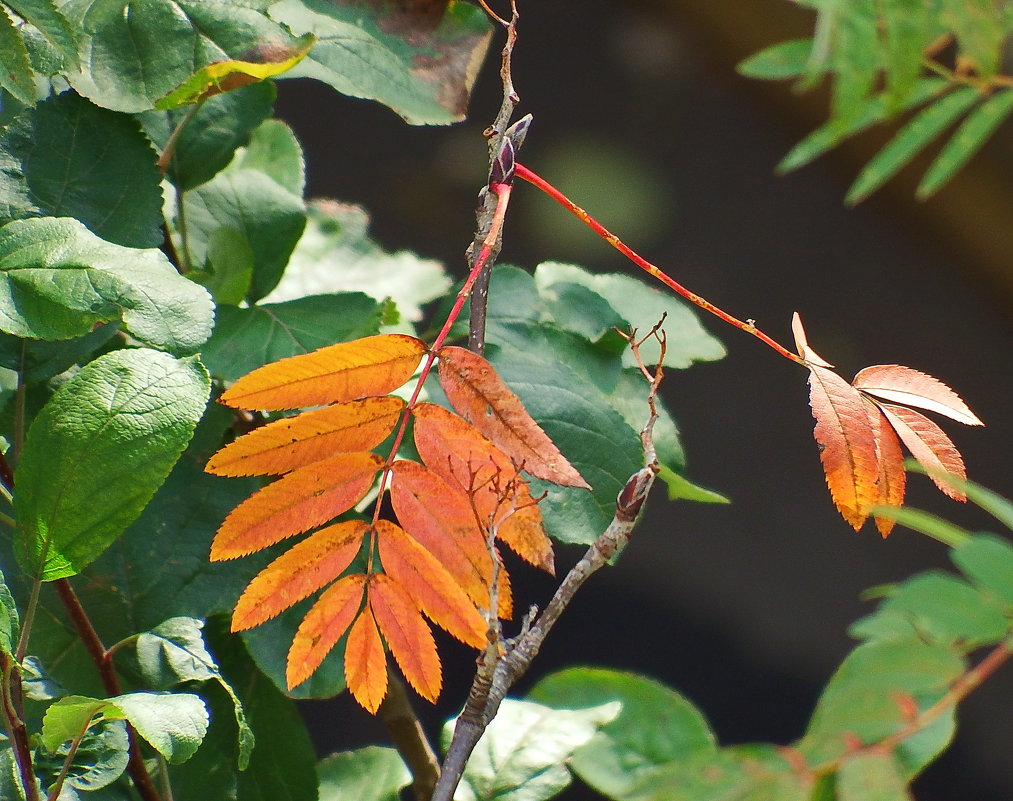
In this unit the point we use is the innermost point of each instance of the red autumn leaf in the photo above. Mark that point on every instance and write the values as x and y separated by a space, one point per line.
302 500
929 445
802 344
325 623
848 445
440 518
298 573
365 662
480 397
461 455
294 442
369 366
891 481
897 384
430 585
407 635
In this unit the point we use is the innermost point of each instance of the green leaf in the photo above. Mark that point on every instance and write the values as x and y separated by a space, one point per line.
68 158
629 398
936 607
225 76
988 562
16 73
788 59
274 150
908 30
57 280
854 56
10 624
872 776
65 719
98 451
966 141
228 271
656 726
871 112
596 440
926 523
909 140
523 752
135 54
863 698
10 778
682 489
50 24
978 27
209 139
252 204
335 254
248 338
174 652
419 61
642 306
173 723
101 757
747 773
41 360
584 312
368 774
282 767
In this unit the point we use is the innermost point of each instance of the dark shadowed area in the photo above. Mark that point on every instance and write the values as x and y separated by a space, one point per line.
638 115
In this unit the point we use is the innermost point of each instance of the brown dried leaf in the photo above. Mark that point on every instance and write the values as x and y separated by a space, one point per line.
480 397
930 446
848 445
892 478
895 383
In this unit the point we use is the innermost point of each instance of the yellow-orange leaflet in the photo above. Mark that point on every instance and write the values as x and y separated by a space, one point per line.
479 395
407 635
298 573
327 620
431 587
370 366
294 442
892 479
365 662
302 500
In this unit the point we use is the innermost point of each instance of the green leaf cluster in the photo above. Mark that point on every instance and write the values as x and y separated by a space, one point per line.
937 64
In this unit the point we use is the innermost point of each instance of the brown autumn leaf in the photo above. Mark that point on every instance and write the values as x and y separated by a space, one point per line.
892 479
365 660
302 500
895 383
930 446
294 442
370 366
407 635
479 395
847 444
462 456
325 623
430 585
441 519
298 573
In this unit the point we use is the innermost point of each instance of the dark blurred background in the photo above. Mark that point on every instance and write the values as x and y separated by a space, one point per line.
640 116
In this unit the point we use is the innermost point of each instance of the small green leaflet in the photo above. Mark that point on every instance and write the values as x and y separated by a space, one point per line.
368 774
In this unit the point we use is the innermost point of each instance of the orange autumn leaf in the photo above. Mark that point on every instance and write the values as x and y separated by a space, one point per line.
895 383
325 623
370 366
892 479
848 445
365 662
294 442
430 585
302 500
479 395
930 446
461 455
298 573
407 635
440 518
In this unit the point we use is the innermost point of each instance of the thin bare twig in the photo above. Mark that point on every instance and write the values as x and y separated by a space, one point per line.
499 671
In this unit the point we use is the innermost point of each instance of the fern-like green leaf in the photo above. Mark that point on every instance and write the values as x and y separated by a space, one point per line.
909 140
